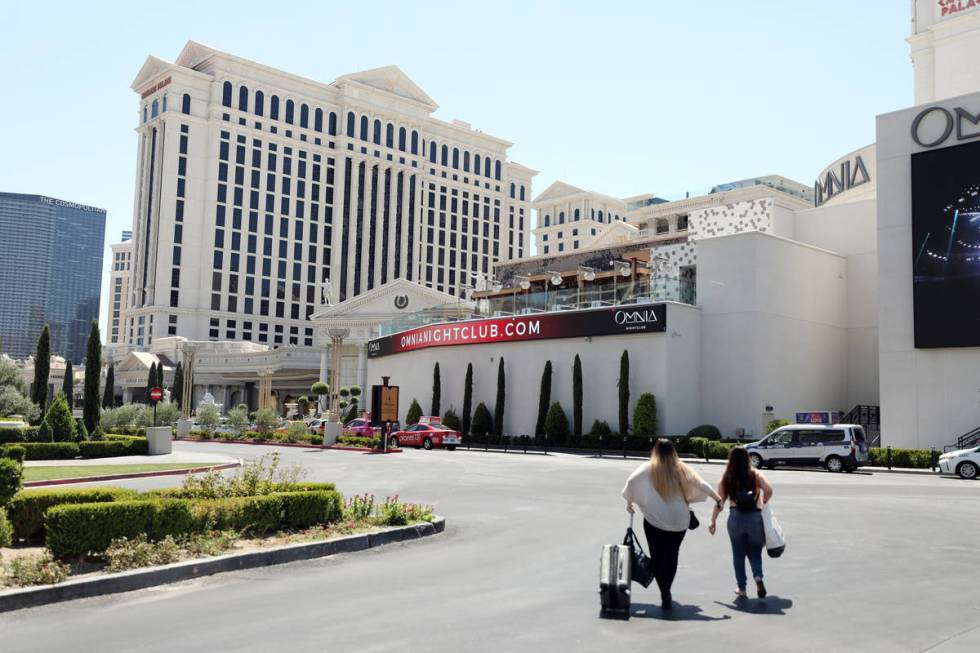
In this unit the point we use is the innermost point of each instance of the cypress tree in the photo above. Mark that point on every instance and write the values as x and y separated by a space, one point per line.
498 409
544 398
109 397
436 390
467 398
42 367
93 370
160 375
177 392
577 396
624 393
68 386
151 381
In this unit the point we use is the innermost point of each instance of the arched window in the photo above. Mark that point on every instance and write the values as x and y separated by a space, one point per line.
364 128
144 113
390 135
259 103
185 104
466 161
497 170
600 216
433 146
377 132
274 107
226 94
243 98
512 190
476 164
522 195
445 155
577 216
561 217
318 119
290 111
350 125
332 124
304 116
401 138
456 157
154 108
415 142
486 167
547 220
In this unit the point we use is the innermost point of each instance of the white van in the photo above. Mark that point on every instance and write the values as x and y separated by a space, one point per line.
838 447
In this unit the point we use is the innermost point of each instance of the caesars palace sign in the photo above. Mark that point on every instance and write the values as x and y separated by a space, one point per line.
650 318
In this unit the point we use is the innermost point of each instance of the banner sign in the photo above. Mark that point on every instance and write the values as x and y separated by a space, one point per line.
624 320
819 417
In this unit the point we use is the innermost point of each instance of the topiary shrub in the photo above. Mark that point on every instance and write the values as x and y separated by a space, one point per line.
775 424
14 452
645 415
44 433
50 450
27 509
131 446
482 420
6 530
414 413
11 475
60 420
707 431
556 423
451 420
600 427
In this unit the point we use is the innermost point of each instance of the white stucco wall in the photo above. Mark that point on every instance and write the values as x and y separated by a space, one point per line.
773 329
666 364
929 397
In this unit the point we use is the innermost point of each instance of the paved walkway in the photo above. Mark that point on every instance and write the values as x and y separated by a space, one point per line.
178 456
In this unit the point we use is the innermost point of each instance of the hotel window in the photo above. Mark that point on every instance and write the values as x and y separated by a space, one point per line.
243 98
497 171
522 199
401 138
185 105
259 103
274 107
289 111
415 142
682 222
432 147
377 132
364 128
226 94
304 116
318 120
332 124
561 217
154 109
390 135
476 164
662 226
350 125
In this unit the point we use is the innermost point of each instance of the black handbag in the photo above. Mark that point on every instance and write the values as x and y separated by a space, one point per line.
642 565
694 523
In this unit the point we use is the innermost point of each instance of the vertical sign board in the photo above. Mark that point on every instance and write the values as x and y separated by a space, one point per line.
384 403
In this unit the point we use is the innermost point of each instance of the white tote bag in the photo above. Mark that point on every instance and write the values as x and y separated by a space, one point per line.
775 541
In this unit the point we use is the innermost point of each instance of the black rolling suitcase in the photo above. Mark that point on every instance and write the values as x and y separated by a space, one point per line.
615 575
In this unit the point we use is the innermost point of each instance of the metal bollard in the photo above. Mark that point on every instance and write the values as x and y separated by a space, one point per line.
506 439
888 457
705 445
624 446
600 446
486 442
545 445
524 440
933 458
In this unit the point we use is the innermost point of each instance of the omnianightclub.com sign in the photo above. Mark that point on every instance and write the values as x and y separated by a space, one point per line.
624 320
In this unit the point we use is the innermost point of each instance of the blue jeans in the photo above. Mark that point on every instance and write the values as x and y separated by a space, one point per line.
748 536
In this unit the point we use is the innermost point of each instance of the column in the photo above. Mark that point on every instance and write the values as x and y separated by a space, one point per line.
336 347
324 363
362 368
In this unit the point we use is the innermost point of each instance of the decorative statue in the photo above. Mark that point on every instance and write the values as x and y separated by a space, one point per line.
326 292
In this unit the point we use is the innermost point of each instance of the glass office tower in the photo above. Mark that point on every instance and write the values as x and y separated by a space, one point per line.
50 273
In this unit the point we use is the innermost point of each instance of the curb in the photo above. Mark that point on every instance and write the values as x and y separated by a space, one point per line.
274 443
362 449
119 477
128 581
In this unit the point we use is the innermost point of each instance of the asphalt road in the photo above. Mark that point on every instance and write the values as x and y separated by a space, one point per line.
874 562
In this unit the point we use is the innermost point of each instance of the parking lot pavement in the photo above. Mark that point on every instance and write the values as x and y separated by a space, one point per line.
873 562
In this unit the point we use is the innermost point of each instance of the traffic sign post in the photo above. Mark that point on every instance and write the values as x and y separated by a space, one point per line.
156 394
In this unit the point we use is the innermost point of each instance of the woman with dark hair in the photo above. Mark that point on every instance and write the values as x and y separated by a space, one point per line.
663 487
746 490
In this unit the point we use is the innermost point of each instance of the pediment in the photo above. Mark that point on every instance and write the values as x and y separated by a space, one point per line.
390 79
193 54
614 233
152 67
385 302
556 191
136 361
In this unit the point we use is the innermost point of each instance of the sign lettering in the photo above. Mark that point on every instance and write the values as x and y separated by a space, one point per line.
849 175
965 124
156 87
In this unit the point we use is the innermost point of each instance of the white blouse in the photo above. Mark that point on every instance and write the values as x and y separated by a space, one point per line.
672 515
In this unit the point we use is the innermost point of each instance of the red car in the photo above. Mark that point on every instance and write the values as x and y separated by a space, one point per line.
426 436
361 428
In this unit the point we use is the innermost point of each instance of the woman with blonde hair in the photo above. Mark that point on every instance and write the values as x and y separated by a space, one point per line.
663 488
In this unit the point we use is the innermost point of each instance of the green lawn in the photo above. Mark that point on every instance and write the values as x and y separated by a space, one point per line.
79 471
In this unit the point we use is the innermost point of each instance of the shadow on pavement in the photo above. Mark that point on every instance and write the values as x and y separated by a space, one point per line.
680 612
769 605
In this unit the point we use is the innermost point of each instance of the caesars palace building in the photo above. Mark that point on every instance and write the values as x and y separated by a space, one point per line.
758 299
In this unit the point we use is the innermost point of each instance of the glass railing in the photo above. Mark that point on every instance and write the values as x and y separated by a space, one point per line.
563 299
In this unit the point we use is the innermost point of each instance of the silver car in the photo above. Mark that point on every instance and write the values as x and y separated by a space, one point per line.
837 447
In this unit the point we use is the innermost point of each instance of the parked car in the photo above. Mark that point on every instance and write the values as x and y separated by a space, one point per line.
965 463
837 447
361 428
428 433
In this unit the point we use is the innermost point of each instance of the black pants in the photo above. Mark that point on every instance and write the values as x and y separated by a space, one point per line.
664 548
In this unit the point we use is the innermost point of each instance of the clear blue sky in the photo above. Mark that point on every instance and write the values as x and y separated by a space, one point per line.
618 97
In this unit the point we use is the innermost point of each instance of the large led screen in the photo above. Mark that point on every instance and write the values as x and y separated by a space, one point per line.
946 246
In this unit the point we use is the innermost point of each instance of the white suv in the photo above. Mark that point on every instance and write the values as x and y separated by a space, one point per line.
838 447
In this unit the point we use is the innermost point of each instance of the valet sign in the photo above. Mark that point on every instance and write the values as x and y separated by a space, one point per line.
649 318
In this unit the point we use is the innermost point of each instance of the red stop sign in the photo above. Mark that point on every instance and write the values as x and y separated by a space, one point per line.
156 394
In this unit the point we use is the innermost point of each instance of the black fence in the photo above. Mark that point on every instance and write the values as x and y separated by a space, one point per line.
612 445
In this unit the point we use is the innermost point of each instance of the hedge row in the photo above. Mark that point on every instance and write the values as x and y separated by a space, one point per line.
357 441
128 446
181 493
908 458
613 442
82 529
26 510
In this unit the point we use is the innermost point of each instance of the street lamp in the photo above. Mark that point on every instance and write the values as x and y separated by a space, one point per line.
585 273
524 283
622 269
657 266
554 278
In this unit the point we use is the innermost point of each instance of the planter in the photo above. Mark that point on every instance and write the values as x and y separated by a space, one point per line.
331 431
159 440
184 427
